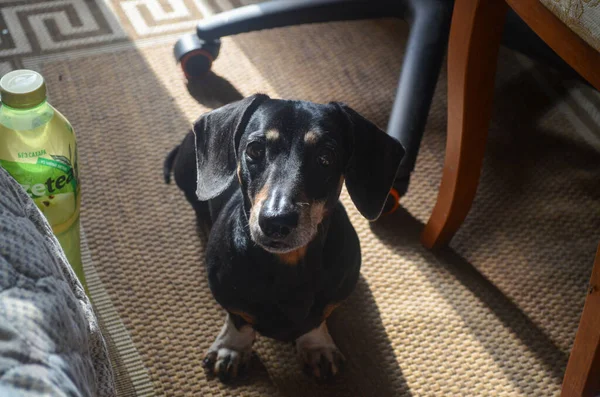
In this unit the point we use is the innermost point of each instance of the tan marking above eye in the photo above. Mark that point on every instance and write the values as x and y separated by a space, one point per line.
311 137
272 135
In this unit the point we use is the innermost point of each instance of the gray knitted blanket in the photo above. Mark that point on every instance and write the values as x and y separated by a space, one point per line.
50 342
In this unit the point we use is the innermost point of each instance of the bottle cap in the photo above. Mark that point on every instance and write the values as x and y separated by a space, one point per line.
22 89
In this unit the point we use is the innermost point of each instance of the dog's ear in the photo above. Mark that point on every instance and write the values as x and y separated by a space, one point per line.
372 165
218 135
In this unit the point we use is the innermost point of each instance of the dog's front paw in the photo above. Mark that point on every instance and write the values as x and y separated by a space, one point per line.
227 363
320 355
322 363
230 352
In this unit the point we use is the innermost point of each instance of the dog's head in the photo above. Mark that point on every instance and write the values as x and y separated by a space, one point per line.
291 159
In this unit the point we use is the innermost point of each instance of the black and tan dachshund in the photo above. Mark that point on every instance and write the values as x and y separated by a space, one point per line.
265 176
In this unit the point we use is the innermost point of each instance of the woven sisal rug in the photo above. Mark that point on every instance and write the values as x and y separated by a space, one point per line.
495 314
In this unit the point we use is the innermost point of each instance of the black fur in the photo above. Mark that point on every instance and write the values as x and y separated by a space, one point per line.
168 165
290 175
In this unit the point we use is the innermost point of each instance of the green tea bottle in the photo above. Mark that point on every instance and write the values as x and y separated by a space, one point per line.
38 148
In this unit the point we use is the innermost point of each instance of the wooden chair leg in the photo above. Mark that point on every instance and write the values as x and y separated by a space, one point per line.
582 377
475 36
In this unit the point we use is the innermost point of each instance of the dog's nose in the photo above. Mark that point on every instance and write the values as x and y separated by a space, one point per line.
278 224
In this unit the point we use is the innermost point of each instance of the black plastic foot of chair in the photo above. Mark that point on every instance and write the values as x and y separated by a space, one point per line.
196 55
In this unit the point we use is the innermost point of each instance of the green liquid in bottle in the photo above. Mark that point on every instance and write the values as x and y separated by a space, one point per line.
38 148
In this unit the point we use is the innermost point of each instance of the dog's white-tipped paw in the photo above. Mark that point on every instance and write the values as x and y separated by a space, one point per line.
230 353
227 363
322 363
319 354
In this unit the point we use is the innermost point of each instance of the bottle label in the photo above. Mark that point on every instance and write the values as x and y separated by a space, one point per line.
51 181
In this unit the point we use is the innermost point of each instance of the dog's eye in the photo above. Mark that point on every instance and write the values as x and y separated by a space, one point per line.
255 150
326 157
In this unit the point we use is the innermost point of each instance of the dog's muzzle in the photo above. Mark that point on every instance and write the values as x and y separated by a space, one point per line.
278 221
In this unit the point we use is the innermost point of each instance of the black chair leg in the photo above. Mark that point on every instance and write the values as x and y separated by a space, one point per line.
281 13
428 38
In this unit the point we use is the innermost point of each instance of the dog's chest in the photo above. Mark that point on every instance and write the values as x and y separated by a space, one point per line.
291 291
284 282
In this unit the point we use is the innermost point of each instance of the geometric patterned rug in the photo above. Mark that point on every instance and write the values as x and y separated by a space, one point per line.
34 28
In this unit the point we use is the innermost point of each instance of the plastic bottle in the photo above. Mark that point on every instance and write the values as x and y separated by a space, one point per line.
38 148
